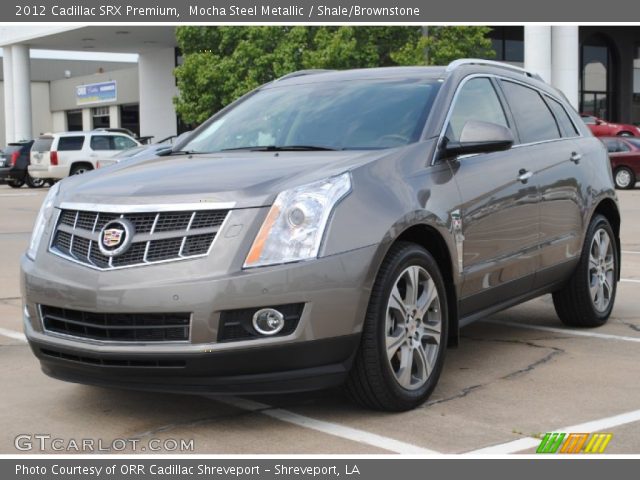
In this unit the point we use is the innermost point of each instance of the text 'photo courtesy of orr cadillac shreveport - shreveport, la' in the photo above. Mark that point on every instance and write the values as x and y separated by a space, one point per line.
329 228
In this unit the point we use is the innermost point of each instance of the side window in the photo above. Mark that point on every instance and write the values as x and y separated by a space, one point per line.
611 144
66 144
623 147
567 128
477 100
123 143
533 118
101 142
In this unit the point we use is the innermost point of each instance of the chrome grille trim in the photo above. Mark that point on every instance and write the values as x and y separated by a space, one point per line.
176 240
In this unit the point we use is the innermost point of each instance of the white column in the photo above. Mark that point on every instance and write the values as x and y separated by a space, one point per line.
114 116
537 50
7 66
565 61
157 89
21 92
87 119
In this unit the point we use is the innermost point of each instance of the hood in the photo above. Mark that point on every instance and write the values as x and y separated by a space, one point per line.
246 179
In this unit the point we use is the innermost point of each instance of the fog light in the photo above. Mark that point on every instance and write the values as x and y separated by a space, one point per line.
268 321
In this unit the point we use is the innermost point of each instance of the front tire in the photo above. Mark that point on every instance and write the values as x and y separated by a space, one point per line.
404 335
588 297
624 178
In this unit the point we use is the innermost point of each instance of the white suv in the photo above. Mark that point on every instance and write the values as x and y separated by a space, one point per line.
59 155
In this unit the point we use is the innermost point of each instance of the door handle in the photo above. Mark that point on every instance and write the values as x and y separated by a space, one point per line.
524 175
576 157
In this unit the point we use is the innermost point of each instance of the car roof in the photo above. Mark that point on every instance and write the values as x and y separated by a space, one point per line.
79 133
311 76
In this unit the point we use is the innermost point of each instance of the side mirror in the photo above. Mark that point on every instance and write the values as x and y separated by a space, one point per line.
599 122
480 137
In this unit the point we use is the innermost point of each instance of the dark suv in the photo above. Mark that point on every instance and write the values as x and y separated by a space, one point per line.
328 228
14 164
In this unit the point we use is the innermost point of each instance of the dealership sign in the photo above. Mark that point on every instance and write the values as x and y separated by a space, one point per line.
96 93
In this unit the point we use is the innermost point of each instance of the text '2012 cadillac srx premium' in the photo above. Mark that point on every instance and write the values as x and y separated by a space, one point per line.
328 228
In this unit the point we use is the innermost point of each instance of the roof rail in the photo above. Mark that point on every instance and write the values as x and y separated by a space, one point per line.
490 63
301 73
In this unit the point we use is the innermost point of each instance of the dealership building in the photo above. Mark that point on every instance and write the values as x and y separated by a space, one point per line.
597 67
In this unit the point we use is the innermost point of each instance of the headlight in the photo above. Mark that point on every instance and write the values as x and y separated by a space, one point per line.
295 225
44 215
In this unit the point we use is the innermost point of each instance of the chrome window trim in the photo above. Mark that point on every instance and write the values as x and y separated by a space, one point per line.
92 341
146 208
499 77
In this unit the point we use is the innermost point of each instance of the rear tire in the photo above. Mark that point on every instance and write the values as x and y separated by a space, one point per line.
15 183
624 178
35 182
404 335
588 297
80 169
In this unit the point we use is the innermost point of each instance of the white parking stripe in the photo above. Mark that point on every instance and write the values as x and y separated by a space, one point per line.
630 280
630 252
330 428
13 334
593 426
566 331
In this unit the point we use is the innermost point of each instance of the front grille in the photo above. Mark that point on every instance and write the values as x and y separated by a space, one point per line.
113 362
117 327
157 236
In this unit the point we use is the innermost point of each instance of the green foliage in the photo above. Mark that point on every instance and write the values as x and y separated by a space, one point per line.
223 63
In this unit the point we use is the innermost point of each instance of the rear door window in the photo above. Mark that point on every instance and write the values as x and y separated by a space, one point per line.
101 142
42 144
567 128
66 144
532 116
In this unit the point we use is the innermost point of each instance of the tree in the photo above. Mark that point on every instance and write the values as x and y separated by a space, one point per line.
223 63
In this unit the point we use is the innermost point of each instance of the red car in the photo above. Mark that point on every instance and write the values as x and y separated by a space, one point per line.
624 155
602 128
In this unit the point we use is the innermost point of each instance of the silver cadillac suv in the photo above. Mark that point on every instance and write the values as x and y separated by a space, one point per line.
327 228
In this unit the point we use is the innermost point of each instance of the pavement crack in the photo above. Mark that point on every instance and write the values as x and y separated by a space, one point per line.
463 393
532 366
632 326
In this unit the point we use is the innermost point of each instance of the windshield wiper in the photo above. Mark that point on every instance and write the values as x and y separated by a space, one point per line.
283 148
167 153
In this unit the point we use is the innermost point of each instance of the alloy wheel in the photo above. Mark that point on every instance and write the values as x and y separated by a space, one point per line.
601 270
413 327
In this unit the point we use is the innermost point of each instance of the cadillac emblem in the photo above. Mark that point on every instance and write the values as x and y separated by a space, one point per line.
116 237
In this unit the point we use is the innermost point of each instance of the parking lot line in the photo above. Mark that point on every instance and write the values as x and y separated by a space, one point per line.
566 331
630 280
330 428
592 426
630 252
13 334
348 433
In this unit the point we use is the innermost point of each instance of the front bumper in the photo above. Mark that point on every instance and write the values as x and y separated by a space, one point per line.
335 292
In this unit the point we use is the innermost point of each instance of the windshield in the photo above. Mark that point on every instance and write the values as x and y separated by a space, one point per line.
344 115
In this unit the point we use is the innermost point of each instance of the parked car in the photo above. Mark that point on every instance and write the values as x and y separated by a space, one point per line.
602 128
14 163
58 155
142 152
330 228
624 155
